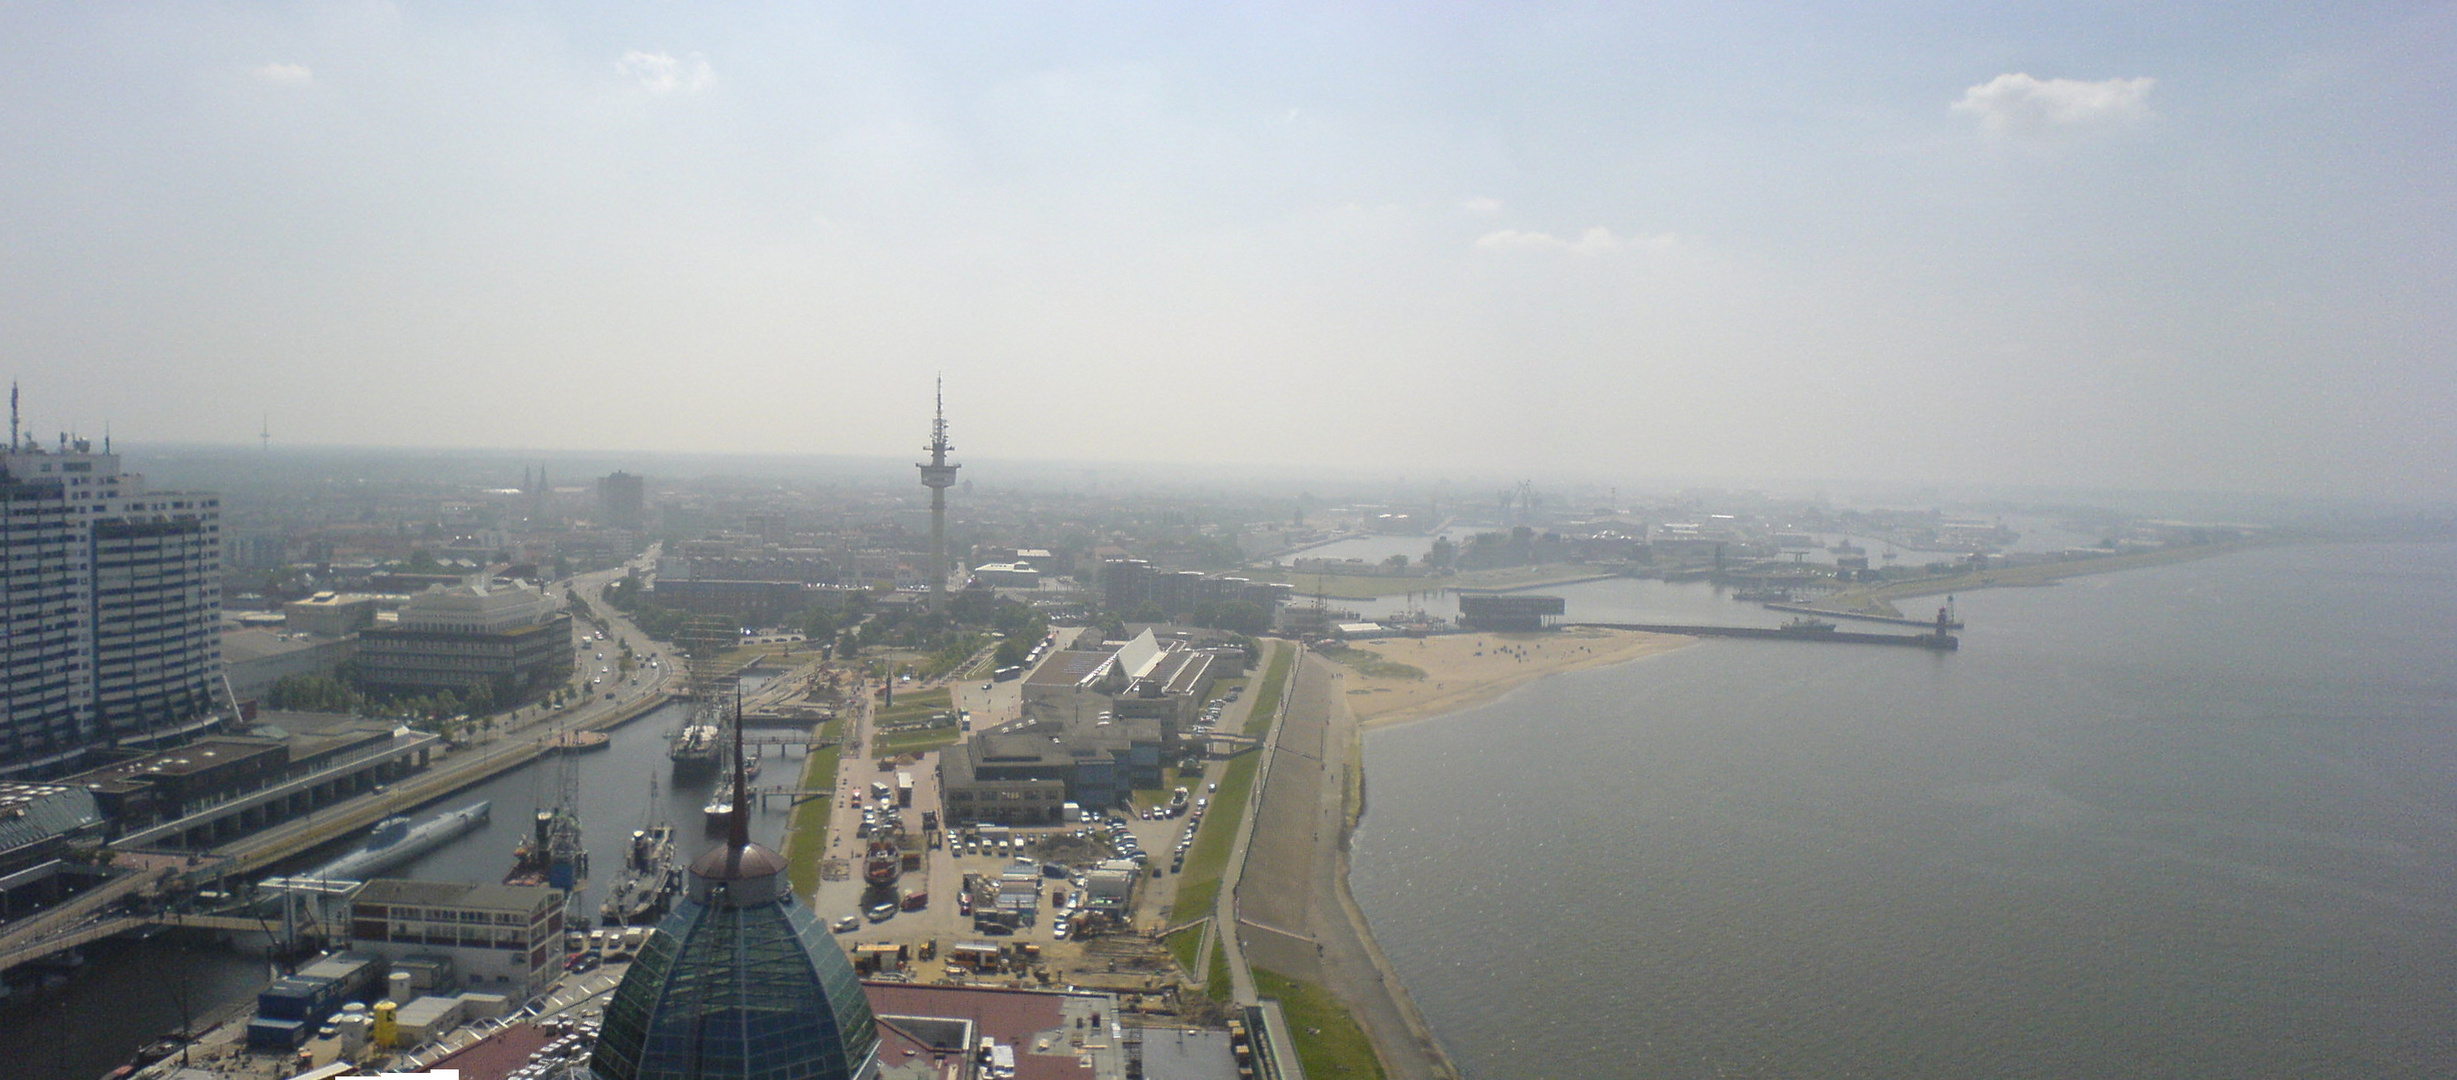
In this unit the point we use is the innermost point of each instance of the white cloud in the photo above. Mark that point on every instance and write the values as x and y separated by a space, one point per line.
1595 241
1482 205
2017 104
663 73
284 74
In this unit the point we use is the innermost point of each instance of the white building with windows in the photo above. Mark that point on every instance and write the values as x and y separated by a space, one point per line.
110 600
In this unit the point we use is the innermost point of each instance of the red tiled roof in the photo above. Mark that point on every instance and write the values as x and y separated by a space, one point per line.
495 1056
1009 1016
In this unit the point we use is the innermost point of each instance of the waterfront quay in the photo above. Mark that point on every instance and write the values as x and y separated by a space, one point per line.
208 850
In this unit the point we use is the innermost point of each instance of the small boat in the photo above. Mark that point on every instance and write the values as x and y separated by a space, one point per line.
720 808
573 741
1807 624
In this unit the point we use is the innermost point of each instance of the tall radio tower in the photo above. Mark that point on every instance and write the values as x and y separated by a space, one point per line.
938 476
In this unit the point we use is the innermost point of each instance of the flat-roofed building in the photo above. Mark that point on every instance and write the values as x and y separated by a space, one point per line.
331 614
1007 575
256 659
1509 612
37 821
509 637
169 783
506 938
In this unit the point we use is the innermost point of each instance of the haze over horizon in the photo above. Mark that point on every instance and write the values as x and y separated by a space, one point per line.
2178 247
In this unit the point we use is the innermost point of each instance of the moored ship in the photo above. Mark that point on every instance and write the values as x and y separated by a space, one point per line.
695 747
551 855
720 808
645 887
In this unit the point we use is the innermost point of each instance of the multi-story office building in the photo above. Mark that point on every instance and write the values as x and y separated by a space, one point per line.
109 600
502 938
513 639
621 501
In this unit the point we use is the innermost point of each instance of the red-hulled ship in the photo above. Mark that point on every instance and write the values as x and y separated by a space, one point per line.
884 863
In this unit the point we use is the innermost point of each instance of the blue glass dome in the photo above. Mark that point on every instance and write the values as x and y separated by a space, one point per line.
739 982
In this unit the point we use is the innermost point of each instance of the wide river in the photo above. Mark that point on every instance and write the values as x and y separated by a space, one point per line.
2197 820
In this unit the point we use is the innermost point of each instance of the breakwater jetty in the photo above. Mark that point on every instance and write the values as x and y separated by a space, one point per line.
1948 623
1940 642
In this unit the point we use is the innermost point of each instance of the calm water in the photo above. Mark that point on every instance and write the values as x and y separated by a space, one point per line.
2192 821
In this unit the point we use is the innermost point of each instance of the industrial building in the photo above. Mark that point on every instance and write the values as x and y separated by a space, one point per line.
1129 584
1508 612
503 938
285 766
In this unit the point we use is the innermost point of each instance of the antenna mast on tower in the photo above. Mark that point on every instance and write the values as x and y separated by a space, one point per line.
938 476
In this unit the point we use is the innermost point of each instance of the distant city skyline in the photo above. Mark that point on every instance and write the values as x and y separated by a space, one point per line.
2185 247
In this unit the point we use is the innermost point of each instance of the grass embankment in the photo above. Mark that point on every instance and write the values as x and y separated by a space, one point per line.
1267 698
917 714
1329 1042
1217 985
1370 664
807 837
915 742
1146 798
2033 574
1198 886
1186 944
915 707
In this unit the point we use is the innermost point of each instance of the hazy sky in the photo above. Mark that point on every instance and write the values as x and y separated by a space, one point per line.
2124 244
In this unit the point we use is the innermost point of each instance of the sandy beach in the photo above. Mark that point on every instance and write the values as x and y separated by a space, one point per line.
1465 670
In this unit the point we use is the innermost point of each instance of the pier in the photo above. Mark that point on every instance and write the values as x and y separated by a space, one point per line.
1940 642
1830 613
